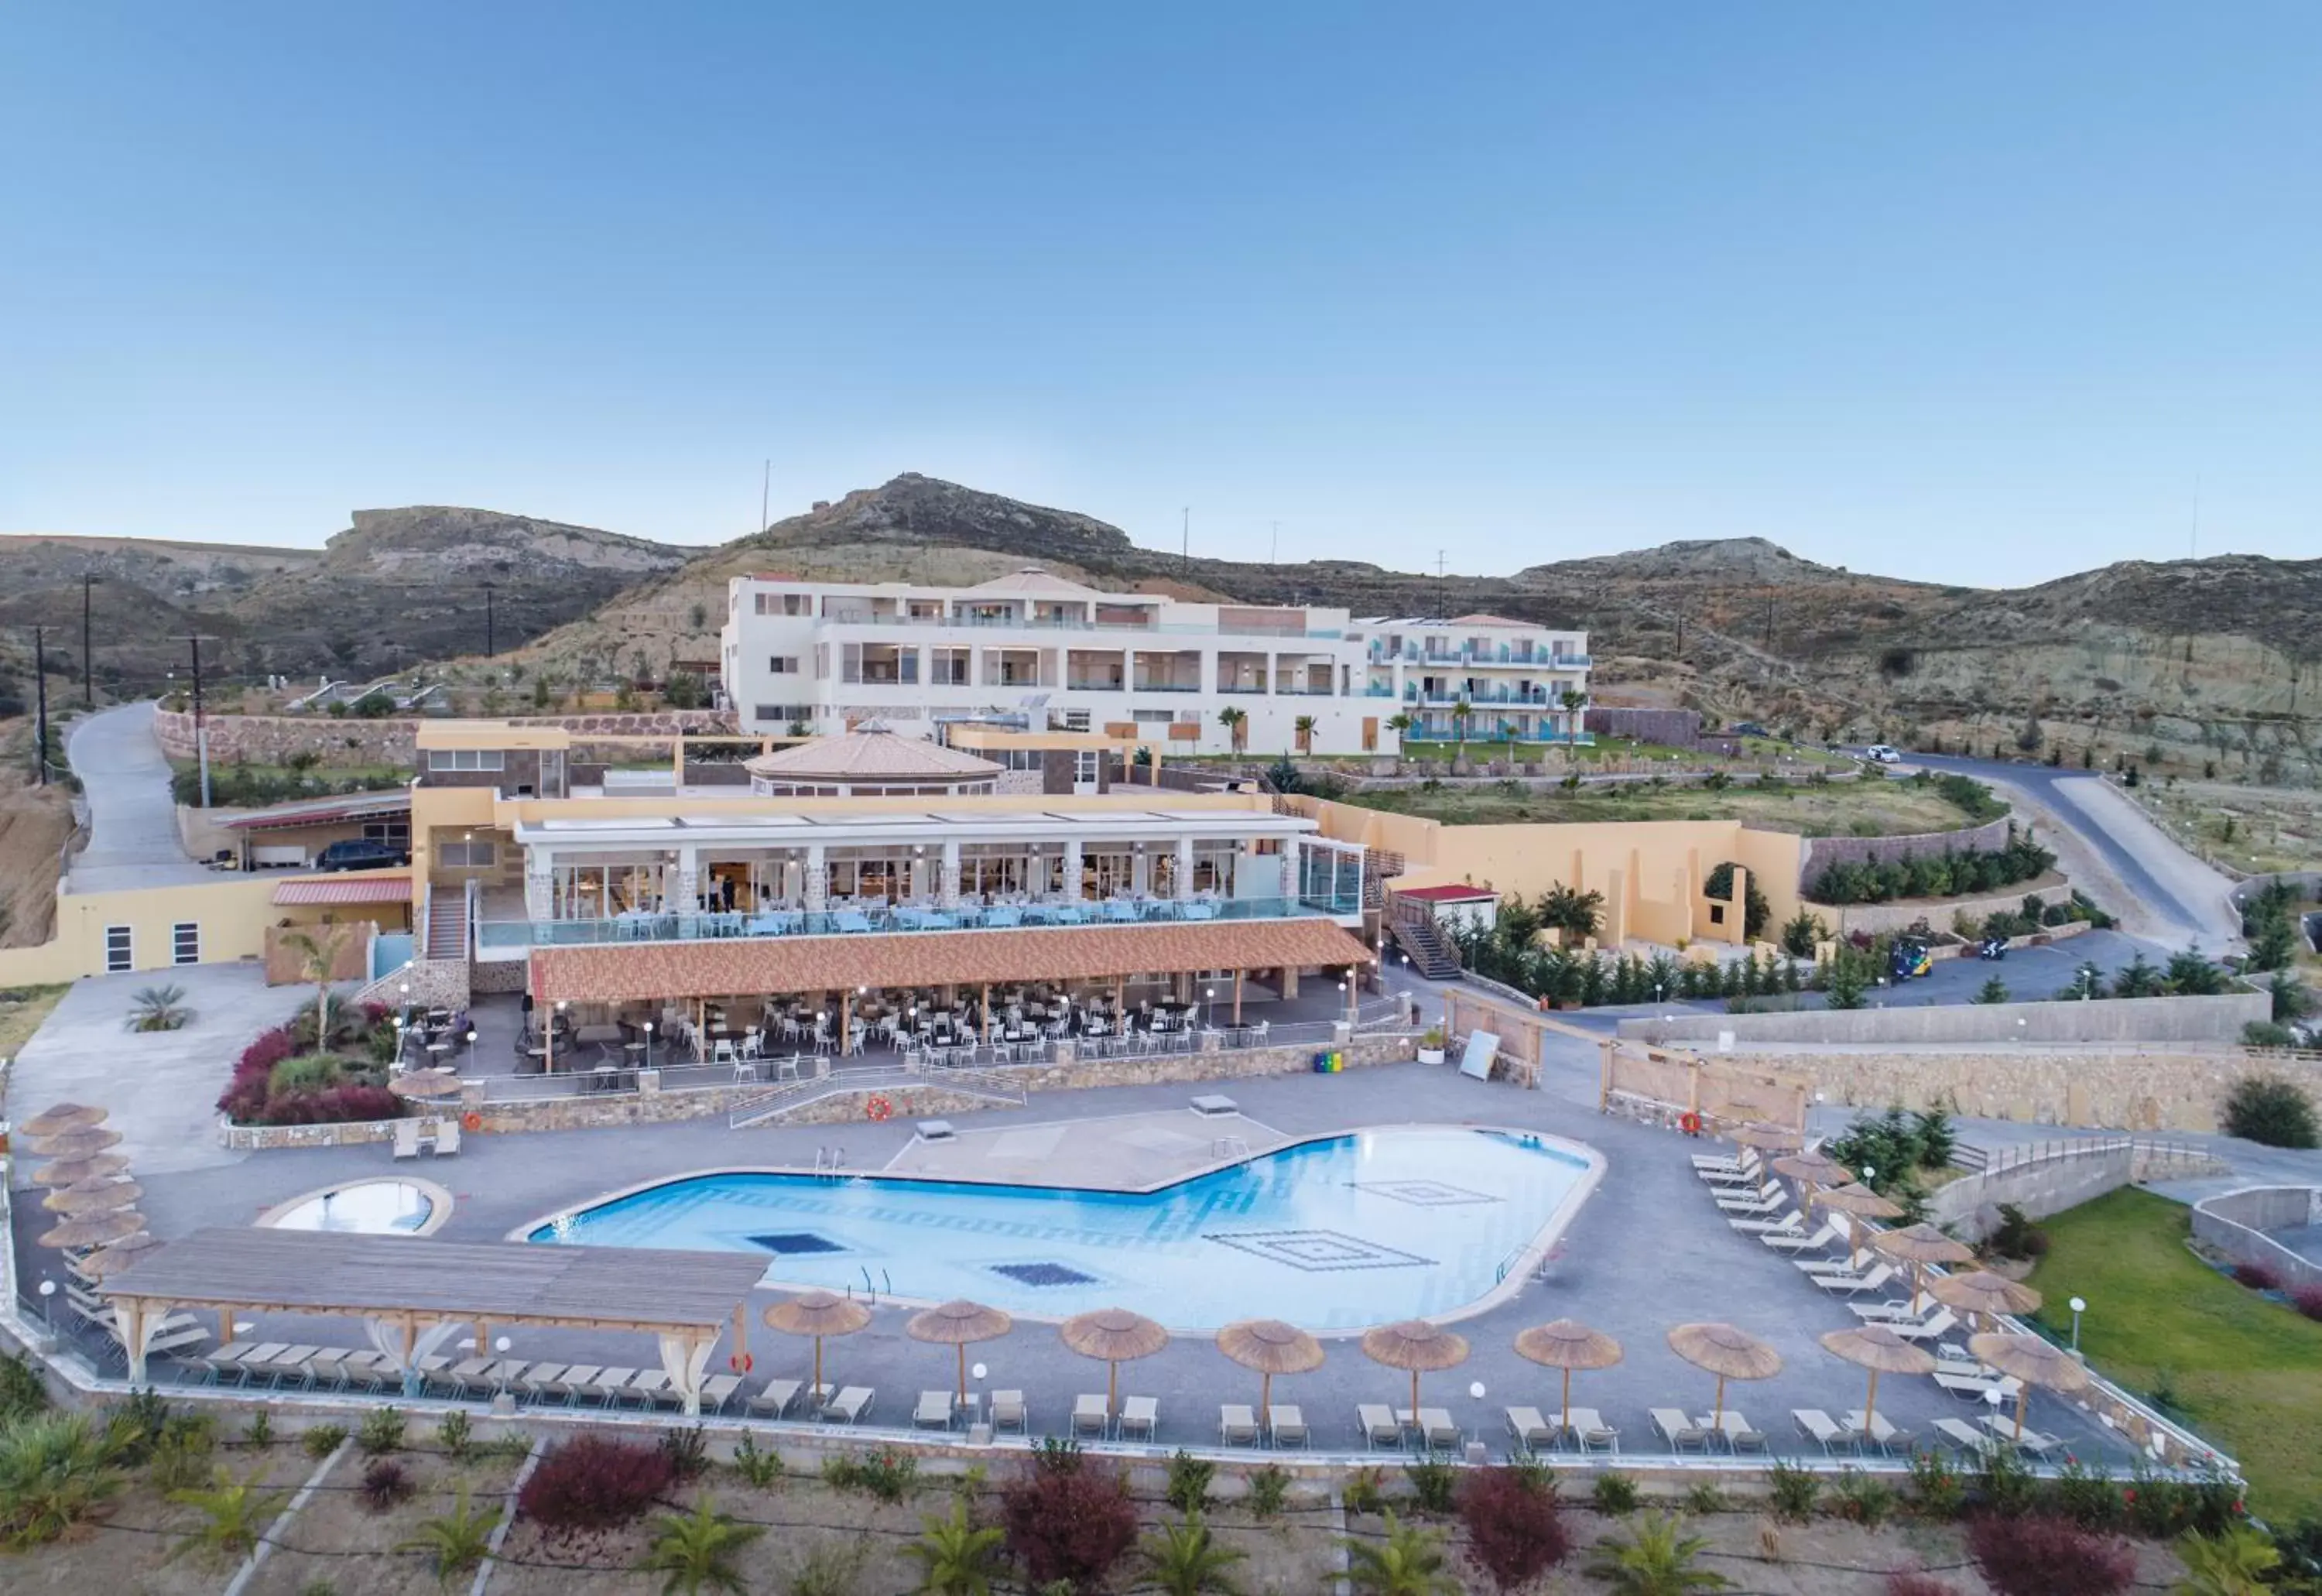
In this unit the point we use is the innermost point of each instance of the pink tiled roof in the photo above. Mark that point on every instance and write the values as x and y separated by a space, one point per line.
871 755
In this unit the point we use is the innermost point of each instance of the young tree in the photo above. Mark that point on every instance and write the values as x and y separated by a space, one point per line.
1408 1561
1304 727
317 954
1185 1559
1461 713
1574 701
1236 721
697 1550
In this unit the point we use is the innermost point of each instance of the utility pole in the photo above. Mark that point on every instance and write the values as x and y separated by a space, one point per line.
87 682
201 724
765 491
489 652
1442 604
40 714
1185 544
1274 545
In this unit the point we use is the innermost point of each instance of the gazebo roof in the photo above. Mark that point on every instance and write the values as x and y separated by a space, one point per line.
872 753
1032 581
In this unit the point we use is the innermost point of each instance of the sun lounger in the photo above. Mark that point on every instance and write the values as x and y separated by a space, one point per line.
1285 1426
1437 1433
1739 1433
1894 1310
1822 1430
1681 1432
1089 1417
1853 1263
2004 1427
1943 1324
775 1397
1531 1432
1756 1207
1588 1430
1789 1224
1853 1285
1829 1235
1882 1432
579 1380
406 1138
848 1406
1746 1157
934 1411
166 1341
1971 1388
717 1390
1139 1415
447 1138
1008 1413
1966 1436
1237 1426
545 1382
1381 1431
610 1384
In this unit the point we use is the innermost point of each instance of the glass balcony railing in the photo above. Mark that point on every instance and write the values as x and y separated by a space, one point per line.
1327 899
1074 624
1539 658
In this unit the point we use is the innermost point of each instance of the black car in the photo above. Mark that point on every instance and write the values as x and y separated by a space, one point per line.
356 854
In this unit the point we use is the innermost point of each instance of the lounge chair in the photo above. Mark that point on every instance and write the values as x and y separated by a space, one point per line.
1966 1436
1829 1235
1531 1433
1139 1415
1894 1310
1285 1426
1882 1432
545 1382
1789 1224
1090 1416
1822 1430
717 1390
774 1398
1681 1433
1237 1426
1972 1388
1851 1264
1381 1431
1756 1206
609 1385
1437 1433
579 1380
934 1411
1853 1285
1747 1156
1588 1430
848 1406
1943 1324
1009 1413
447 1138
406 1138
2004 1427
1740 1435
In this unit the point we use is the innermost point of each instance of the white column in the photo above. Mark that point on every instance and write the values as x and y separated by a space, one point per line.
1140 870
1073 867
817 878
948 895
539 883
1184 882
689 881
1290 867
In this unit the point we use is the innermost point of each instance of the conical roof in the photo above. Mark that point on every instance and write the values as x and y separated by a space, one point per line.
871 754
1031 581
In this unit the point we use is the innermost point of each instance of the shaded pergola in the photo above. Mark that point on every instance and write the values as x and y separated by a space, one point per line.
413 1292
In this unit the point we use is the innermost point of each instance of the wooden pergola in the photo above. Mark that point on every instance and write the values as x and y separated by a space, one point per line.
415 1291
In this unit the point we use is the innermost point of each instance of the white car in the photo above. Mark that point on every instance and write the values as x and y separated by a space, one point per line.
1884 753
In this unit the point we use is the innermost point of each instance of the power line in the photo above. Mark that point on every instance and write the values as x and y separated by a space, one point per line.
201 724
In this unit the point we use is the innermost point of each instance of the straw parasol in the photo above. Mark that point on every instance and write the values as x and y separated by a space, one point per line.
1983 1292
1882 1352
1919 1246
1414 1344
1727 1353
956 1324
1858 1202
113 1257
1568 1344
73 1143
817 1313
93 1197
1271 1347
1769 1138
1115 1336
61 1117
425 1083
2034 1361
72 1171
1818 1168
94 1230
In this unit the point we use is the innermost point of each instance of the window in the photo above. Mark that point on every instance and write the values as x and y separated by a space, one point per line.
1077 720
782 604
1153 717
465 759
1017 759
396 833
948 667
186 943
468 855
785 713
118 955
1085 767
783 664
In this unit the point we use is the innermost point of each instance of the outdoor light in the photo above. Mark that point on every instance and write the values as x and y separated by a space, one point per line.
2079 1306
471 1035
979 1371
48 1290
501 1344
1477 1390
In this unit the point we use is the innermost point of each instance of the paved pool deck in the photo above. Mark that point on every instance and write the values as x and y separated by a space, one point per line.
1126 1153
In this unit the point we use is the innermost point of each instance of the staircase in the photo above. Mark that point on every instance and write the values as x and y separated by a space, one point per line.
1414 929
447 926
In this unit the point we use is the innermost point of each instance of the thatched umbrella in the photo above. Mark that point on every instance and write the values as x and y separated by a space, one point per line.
956 1324
1882 1352
73 1143
425 1084
113 1257
1568 1344
93 1197
1918 1245
1858 1203
1983 1292
1271 1347
60 1117
1414 1344
1817 1169
817 1313
1727 1353
72 1171
1769 1138
2034 1361
1115 1336
94 1230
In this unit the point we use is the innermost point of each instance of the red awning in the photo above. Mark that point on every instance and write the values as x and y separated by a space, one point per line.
353 887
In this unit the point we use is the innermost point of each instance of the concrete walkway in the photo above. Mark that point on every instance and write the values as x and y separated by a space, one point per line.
132 819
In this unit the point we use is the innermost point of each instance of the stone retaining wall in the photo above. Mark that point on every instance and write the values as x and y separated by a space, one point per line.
1821 852
2134 1089
271 739
2210 1020
2043 1186
1941 914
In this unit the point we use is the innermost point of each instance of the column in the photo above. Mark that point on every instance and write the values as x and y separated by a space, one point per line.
1140 870
1073 869
688 898
948 895
1184 874
1290 867
539 884
817 878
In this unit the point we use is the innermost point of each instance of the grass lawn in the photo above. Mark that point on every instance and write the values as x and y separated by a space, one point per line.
2247 1372
22 1010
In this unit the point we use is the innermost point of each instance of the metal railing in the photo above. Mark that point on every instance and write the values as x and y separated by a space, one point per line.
2023 1155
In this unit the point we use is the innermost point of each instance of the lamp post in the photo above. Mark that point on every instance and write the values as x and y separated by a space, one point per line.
2079 1306
47 1295
649 1025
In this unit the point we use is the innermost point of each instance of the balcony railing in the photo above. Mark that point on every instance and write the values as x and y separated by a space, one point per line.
775 923
1072 623
1540 658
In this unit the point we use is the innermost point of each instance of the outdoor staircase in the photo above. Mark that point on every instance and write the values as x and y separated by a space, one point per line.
447 926
1417 934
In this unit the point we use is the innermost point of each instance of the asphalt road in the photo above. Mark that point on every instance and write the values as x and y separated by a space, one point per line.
133 819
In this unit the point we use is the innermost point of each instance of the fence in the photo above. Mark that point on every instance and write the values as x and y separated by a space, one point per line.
2236 1223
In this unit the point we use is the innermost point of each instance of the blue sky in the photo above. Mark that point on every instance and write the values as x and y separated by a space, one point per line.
1976 293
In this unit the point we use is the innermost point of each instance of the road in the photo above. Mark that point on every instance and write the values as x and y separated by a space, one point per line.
2183 901
133 819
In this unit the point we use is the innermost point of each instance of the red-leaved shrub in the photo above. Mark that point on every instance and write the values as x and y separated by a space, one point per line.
2308 1299
2039 1555
249 1099
1911 1582
2258 1277
1068 1518
593 1482
1514 1533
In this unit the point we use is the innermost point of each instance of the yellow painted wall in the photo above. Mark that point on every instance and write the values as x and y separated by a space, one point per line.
233 913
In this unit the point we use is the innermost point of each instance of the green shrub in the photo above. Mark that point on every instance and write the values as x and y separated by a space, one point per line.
1433 1484
2271 1111
1365 1490
456 1437
1937 1493
1612 1493
1189 1482
1269 1489
56 1470
1862 1497
761 1468
1795 1491
324 1439
381 1432
21 1391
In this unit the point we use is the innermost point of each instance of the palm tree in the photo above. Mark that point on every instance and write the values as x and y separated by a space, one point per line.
234 1514
956 1557
1305 726
2237 1563
1399 723
1655 1561
1460 712
697 1549
317 956
1186 1560
159 1009
456 1542
1236 721
1408 1562
1574 701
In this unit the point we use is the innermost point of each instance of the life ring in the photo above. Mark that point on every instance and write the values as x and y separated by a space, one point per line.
1689 1123
879 1107
472 1120
740 1362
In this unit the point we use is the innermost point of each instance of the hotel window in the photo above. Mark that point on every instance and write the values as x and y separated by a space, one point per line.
783 664
118 955
465 759
466 855
1085 765
1077 720
948 667
782 604
186 943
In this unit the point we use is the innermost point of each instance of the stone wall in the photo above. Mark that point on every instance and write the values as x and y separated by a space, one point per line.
2217 1020
2050 1181
438 982
1672 728
1821 852
1941 913
2235 1223
271 738
2100 1090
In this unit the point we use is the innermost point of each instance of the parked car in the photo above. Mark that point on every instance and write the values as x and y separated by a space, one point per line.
1884 753
358 854
1750 729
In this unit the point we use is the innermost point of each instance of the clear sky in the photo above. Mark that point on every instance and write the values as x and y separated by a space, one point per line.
1971 292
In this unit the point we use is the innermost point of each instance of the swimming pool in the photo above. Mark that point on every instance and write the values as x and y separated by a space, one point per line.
380 1207
1338 1233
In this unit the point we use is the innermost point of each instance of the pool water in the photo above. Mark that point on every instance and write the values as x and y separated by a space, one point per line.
369 1208
1335 1233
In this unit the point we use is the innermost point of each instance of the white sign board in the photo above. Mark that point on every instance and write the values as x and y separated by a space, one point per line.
1483 1047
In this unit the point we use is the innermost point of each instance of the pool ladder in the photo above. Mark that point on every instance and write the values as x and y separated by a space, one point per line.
830 1162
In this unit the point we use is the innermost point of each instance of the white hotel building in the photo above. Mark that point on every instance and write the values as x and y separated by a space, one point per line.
825 656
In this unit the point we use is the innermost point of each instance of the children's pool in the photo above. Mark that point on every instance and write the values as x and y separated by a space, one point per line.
1333 1233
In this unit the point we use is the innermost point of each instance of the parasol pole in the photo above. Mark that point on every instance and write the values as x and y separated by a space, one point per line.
1414 1396
963 1373
2023 1396
1871 1407
1564 1414
817 1368
1112 1386
1717 1413
1265 1390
